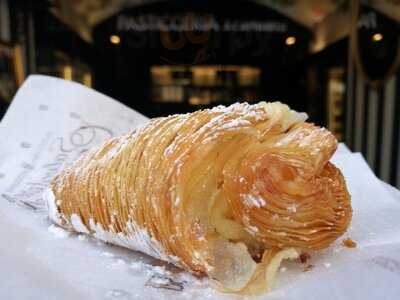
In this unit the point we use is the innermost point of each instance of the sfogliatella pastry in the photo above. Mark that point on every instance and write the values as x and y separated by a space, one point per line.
228 192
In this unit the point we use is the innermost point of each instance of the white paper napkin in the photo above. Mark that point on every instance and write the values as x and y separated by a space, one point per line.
51 122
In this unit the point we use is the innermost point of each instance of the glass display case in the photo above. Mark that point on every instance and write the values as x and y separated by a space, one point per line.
204 84
63 66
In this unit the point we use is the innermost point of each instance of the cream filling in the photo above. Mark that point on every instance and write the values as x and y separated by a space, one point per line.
235 270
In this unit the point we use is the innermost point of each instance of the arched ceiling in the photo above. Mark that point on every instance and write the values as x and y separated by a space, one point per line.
83 15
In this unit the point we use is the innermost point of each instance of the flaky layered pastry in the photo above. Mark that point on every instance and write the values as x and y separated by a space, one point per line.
228 192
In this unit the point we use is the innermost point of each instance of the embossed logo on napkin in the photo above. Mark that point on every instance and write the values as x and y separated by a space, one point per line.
387 263
49 156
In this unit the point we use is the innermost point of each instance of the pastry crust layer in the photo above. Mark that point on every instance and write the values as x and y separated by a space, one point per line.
212 191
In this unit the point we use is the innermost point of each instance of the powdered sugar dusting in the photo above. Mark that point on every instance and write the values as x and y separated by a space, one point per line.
137 239
50 199
248 226
235 123
292 208
327 265
253 201
247 115
58 232
251 229
77 224
107 254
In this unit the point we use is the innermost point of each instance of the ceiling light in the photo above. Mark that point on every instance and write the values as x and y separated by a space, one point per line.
115 39
377 37
290 40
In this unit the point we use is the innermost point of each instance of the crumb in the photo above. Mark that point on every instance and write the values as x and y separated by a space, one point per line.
257 256
283 269
292 208
58 232
119 262
308 268
107 254
304 257
159 269
337 250
327 265
137 266
349 243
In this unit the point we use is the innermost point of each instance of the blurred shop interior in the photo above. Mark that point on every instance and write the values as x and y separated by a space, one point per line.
337 60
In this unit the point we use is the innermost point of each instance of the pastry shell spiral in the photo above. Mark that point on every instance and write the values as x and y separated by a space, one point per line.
227 192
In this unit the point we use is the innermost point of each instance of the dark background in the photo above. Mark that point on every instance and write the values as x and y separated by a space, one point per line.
335 83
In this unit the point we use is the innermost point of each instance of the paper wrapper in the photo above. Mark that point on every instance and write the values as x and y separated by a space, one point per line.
51 122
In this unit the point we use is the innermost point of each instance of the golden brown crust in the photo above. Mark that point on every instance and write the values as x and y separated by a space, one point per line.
158 186
288 194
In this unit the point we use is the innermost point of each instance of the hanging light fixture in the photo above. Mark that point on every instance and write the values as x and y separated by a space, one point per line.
377 37
290 40
115 39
